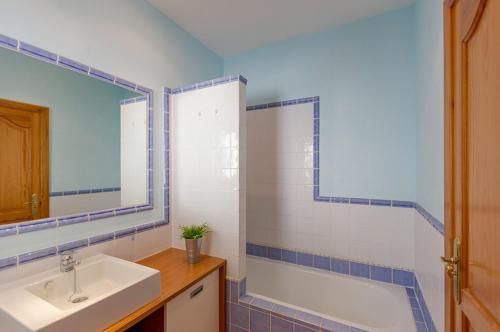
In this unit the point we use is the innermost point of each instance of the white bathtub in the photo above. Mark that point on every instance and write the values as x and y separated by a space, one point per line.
365 304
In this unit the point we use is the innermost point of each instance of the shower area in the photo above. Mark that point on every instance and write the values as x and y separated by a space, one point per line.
297 259
299 256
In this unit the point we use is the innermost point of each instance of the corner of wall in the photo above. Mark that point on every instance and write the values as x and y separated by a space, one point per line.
429 218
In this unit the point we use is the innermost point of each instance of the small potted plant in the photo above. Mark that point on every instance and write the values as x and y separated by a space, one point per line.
193 235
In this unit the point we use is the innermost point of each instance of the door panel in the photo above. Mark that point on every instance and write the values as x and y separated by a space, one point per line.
23 161
482 67
472 132
15 167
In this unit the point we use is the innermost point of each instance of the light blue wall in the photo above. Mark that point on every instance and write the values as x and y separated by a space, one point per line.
364 73
84 119
430 105
128 38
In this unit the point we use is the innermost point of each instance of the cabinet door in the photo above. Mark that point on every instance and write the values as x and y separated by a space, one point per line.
196 309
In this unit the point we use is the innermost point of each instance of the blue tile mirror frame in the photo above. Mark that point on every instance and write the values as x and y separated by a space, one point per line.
139 93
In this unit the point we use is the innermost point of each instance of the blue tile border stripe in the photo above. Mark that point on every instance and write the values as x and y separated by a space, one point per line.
8 230
34 51
209 83
125 232
429 323
399 276
101 238
71 220
83 191
8 42
36 255
73 245
101 75
147 94
283 103
70 64
132 100
434 222
8 262
166 155
37 226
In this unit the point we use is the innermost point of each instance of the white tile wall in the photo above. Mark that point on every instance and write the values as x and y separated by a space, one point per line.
429 246
281 210
208 173
133 153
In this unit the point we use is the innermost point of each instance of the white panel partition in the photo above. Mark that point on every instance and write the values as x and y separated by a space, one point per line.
133 154
208 169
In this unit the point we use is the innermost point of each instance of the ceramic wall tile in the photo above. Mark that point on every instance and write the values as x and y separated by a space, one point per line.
282 210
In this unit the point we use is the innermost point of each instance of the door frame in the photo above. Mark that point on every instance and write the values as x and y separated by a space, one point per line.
449 141
42 153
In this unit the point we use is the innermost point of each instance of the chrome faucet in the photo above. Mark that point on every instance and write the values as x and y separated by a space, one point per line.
68 261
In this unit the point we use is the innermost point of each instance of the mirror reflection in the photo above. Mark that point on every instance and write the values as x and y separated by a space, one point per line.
70 143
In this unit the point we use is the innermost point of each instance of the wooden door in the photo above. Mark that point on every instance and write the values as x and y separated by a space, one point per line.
472 162
24 164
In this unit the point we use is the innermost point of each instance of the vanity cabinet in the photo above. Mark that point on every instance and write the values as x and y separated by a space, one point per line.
192 296
155 322
195 309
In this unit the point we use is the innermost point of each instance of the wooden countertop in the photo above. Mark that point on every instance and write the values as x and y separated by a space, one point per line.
176 275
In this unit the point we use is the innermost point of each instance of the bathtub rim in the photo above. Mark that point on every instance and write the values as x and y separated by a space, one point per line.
392 288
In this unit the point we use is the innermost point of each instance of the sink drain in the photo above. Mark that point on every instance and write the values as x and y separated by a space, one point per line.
79 299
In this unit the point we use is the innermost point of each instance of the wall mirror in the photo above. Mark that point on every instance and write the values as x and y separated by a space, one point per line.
75 141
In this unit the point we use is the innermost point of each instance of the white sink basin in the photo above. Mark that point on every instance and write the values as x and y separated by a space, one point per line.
113 287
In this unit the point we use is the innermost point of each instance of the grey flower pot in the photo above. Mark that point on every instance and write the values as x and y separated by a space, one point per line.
193 249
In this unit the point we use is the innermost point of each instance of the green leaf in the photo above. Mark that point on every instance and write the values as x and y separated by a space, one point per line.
194 232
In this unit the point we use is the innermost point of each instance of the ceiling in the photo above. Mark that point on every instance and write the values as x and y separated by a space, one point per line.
229 27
